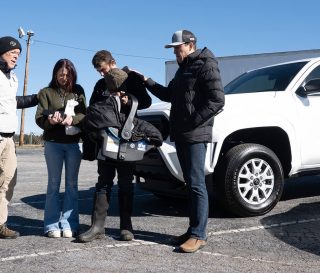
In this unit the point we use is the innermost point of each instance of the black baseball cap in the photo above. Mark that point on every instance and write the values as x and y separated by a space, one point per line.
181 37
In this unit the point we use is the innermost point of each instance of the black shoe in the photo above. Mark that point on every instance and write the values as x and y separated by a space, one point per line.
126 235
90 235
179 240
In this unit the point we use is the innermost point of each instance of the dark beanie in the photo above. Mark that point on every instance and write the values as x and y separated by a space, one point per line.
8 43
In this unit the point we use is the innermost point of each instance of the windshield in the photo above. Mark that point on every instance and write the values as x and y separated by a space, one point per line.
275 78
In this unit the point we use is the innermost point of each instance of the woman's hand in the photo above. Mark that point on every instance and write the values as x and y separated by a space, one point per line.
55 118
67 120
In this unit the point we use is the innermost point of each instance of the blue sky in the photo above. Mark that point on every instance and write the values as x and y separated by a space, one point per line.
136 31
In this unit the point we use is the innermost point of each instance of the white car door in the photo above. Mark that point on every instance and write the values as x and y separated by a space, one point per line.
309 125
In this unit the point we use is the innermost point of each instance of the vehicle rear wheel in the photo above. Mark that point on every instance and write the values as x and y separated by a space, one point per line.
250 180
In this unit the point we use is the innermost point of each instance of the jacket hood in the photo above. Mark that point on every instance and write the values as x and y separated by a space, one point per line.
199 54
205 53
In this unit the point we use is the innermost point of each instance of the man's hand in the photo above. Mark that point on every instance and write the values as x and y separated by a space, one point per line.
127 69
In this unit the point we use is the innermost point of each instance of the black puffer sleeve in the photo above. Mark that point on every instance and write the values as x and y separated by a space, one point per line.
27 101
136 87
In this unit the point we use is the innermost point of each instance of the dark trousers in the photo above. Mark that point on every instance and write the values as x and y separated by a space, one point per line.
107 172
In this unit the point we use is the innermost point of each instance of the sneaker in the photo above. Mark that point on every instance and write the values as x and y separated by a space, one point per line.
126 235
192 245
6 233
67 233
179 240
54 234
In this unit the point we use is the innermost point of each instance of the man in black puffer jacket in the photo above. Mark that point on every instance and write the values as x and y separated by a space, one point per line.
196 96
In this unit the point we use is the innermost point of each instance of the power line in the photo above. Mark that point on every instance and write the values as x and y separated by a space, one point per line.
91 50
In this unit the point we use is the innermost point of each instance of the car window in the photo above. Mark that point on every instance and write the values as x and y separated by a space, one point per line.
315 74
275 78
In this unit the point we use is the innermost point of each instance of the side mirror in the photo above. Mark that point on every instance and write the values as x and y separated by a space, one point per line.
301 91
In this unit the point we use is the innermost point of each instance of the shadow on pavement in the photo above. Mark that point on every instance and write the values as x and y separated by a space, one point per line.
144 204
301 187
148 236
33 227
26 226
304 235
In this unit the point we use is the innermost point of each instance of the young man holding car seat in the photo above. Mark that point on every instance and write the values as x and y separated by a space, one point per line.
196 95
114 77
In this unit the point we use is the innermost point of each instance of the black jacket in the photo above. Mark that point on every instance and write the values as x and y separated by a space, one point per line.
196 95
101 113
135 86
104 114
26 101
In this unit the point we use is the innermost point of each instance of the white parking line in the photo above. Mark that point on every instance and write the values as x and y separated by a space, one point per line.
134 243
245 258
38 254
230 231
143 243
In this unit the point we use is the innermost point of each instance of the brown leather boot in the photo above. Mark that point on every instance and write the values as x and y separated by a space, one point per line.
6 233
192 245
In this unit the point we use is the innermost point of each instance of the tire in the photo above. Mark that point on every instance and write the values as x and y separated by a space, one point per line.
245 191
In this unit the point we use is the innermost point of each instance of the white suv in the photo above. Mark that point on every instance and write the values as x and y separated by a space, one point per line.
267 131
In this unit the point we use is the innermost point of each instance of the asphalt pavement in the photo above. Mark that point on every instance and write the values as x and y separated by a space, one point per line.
285 240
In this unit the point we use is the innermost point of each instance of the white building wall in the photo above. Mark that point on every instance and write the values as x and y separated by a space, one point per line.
233 66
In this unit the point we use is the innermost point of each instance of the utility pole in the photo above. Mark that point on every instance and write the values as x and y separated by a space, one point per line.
26 72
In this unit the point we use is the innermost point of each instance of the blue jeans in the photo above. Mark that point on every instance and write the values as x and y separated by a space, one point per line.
192 158
56 154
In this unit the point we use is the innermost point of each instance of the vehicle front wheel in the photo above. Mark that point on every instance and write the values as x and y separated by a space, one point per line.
250 180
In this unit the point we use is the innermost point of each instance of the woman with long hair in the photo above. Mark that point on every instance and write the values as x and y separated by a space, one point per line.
61 147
